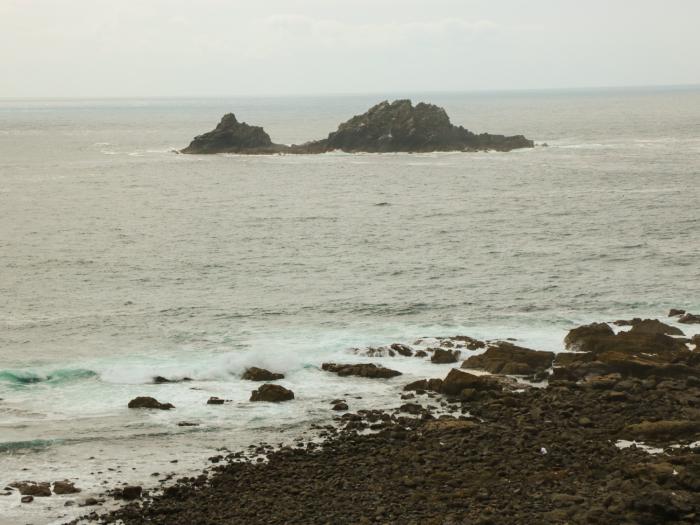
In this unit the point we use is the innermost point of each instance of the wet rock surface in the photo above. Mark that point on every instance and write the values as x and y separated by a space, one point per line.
369 370
272 393
149 402
260 374
507 358
398 126
478 449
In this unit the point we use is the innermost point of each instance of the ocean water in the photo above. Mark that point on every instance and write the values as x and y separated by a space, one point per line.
121 260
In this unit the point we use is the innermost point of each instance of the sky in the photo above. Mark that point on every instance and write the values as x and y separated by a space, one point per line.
133 48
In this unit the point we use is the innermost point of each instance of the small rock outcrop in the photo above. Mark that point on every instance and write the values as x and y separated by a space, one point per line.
442 356
689 318
457 380
507 358
65 487
369 370
30 488
149 402
231 136
272 393
260 374
396 126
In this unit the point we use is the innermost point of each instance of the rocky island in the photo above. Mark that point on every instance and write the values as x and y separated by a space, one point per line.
387 127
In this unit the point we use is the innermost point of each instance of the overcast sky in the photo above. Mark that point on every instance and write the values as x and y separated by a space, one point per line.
74 48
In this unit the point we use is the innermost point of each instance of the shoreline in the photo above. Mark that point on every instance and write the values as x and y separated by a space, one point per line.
498 451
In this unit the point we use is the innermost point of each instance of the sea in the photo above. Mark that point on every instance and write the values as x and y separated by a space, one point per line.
121 260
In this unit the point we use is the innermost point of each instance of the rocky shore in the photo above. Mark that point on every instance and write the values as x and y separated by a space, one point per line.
398 126
605 433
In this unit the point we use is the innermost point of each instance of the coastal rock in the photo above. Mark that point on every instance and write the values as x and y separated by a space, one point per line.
272 393
507 358
578 338
650 326
231 136
675 312
149 402
65 487
403 350
260 374
457 380
469 342
400 126
215 401
690 319
369 370
27 499
441 356
432 385
131 492
30 488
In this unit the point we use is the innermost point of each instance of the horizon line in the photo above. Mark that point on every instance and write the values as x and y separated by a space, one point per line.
365 93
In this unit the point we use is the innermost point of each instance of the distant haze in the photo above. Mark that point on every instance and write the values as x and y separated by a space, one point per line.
95 48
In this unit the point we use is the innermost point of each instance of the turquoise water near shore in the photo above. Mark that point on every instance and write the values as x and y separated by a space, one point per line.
121 260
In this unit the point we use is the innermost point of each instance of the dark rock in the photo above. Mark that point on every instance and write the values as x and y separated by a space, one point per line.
675 312
340 406
131 492
231 136
420 353
272 393
402 349
441 356
260 374
158 380
400 126
654 326
27 499
65 487
578 338
149 402
369 370
411 408
457 380
30 488
385 127
215 401
187 424
689 319
507 358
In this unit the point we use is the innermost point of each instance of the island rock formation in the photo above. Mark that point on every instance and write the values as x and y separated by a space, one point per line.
387 127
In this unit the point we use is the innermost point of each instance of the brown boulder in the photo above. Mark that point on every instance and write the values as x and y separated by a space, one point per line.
690 319
131 492
149 402
369 370
578 338
215 401
402 349
654 326
272 393
260 374
507 358
675 311
433 385
441 356
470 342
65 487
30 488
456 381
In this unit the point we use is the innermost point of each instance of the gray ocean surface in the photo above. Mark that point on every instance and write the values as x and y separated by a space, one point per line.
121 260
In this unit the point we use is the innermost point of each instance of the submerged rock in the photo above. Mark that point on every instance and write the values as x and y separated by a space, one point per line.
369 370
260 374
149 402
507 358
675 312
397 126
272 393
